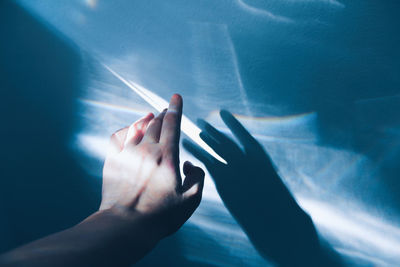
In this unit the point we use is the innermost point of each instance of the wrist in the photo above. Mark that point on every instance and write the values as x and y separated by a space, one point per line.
134 226
114 234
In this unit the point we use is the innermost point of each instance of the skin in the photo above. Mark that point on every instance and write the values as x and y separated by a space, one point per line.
144 199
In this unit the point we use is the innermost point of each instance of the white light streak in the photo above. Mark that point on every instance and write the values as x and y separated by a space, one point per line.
157 102
369 235
262 12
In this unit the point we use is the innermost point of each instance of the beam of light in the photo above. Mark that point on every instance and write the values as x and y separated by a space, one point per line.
361 228
113 107
187 126
236 69
262 12
332 3
91 3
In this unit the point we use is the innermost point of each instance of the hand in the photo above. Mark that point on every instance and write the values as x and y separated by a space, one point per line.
141 172
143 200
255 195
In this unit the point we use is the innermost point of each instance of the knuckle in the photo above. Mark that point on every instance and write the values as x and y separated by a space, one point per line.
169 163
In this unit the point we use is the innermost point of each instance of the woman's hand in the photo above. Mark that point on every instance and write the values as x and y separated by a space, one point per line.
143 200
141 172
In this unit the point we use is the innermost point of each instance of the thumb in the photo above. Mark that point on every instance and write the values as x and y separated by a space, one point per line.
194 181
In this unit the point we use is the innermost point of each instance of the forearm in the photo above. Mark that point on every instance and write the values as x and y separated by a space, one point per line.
141 176
104 239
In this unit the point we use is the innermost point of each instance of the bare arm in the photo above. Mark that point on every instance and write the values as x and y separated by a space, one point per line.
143 200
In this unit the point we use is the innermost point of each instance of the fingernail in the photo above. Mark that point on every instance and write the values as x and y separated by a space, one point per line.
178 96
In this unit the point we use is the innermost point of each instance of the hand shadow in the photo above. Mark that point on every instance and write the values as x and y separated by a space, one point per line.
257 198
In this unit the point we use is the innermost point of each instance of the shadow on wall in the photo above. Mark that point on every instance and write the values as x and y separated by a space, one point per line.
42 189
255 195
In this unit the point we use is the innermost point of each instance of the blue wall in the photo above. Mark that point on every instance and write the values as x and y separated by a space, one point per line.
316 81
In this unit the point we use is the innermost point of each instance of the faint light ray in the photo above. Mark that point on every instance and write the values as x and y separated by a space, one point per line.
363 228
308 181
142 112
303 124
359 255
377 99
237 71
92 144
334 166
113 107
303 117
263 12
334 3
270 138
91 3
215 64
187 126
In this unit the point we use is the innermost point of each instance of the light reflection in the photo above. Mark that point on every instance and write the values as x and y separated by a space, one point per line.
214 42
370 236
348 234
113 107
92 144
321 169
91 3
263 12
188 127
292 128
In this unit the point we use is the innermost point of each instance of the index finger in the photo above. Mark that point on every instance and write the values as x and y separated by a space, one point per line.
170 130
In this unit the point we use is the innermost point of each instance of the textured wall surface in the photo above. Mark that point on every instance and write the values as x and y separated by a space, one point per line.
316 81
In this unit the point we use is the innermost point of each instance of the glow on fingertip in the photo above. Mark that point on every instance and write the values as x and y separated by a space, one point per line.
157 102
